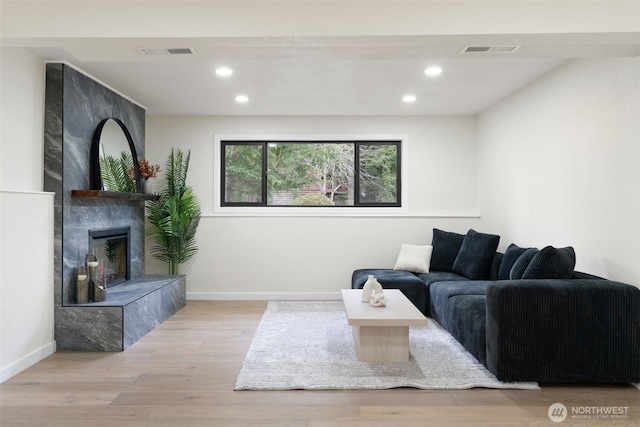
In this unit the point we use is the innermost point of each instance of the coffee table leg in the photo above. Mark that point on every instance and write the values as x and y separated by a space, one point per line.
382 343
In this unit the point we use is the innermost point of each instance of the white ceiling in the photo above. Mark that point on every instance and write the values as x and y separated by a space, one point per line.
332 74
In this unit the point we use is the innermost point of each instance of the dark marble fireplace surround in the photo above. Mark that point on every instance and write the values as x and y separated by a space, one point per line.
74 105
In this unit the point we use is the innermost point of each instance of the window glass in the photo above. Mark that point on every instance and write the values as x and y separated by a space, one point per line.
242 169
311 173
378 173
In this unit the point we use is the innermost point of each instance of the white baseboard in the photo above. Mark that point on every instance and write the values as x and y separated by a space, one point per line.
263 296
27 361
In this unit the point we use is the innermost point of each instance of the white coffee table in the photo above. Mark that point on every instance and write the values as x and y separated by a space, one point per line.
381 334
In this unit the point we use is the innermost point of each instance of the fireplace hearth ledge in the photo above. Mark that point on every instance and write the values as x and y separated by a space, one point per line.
131 310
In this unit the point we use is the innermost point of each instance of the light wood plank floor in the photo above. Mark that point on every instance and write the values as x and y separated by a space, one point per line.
183 373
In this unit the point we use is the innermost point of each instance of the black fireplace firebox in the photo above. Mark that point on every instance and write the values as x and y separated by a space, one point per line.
112 248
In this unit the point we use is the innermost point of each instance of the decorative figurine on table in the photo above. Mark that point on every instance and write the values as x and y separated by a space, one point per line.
378 300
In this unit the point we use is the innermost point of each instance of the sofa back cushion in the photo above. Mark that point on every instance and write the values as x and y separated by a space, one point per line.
521 264
476 255
446 246
510 257
551 263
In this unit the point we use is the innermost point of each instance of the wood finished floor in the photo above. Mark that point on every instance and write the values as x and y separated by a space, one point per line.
183 373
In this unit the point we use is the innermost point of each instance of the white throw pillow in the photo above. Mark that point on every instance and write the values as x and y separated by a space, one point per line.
414 258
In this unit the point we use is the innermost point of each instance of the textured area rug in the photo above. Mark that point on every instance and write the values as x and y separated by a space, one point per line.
309 345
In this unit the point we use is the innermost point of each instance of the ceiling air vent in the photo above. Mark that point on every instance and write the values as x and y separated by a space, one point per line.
489 49
155 51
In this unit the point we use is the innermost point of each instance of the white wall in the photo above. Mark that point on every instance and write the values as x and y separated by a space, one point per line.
26 217
26 280
560 165
257 257
21 120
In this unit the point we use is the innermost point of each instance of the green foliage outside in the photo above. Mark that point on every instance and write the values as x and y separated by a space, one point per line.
378 168
115 173
243 173
296 167
175 216
316 199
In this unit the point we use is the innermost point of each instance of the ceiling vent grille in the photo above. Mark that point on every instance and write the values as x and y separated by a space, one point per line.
489 49
158 51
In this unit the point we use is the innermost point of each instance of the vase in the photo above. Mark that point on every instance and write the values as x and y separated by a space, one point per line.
371 285
147 187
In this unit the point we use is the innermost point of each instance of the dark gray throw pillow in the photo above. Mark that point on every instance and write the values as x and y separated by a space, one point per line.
510 257
551 263
521 264
446 246
476 255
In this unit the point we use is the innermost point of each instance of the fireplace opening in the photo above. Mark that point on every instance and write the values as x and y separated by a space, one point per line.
112 248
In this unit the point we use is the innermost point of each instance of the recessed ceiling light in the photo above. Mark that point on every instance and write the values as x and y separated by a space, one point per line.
433 71
242 98
224 71
409 98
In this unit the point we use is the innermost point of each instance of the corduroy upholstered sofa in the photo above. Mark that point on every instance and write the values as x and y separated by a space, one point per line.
525 314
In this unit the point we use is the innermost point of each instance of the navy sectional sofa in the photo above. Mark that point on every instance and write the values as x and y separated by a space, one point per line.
525 314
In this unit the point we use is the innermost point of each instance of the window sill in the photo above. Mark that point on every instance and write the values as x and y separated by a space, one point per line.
309 211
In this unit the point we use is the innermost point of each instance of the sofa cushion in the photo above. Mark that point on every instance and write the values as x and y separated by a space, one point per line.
441 292
495 265
476 255
522 263
441 276
551 263
385 276
446 246
414 258
511 255
408 283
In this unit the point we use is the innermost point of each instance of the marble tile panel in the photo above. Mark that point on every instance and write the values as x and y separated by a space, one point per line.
173 298
140 317
89 329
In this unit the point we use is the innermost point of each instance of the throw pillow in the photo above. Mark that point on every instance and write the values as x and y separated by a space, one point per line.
522 263
551 263
414 258
476 255
510 257
446 246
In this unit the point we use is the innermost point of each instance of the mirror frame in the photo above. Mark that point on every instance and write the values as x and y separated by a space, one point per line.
95 176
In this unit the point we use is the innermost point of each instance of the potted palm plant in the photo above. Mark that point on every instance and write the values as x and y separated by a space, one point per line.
175 215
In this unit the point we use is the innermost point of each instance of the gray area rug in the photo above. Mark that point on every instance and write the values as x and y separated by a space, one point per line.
309 345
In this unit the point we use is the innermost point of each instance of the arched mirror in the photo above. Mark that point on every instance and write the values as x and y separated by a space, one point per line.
114 163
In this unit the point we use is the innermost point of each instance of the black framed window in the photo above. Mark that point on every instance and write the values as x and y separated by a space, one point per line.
311 173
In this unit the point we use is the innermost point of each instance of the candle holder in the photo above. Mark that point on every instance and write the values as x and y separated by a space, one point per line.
99 284
82 285
99 293
92 265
